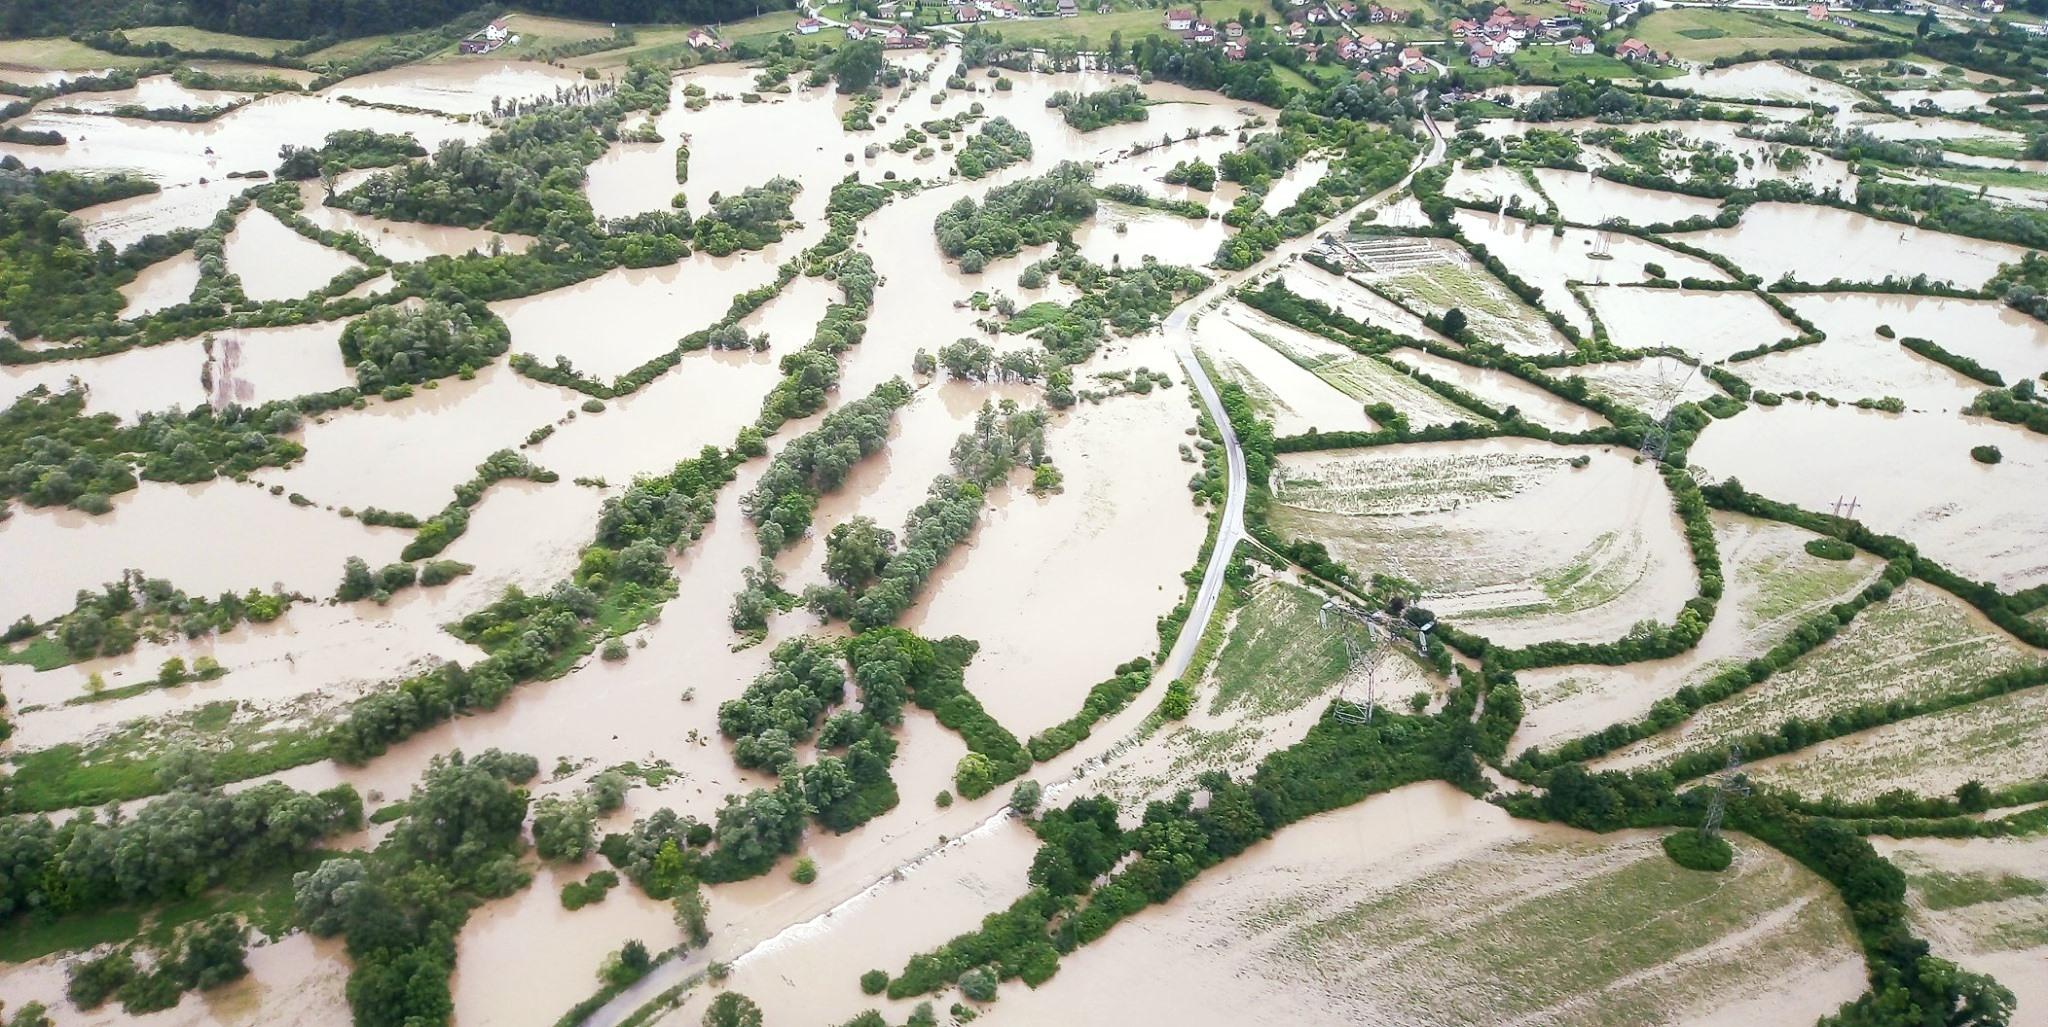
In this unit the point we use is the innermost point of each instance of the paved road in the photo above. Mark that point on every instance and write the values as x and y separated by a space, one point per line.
1178 329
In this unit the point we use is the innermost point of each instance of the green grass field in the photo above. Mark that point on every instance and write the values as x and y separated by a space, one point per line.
1278 656
349 49
185 37
1557 63
59 55
1091 27
1699 34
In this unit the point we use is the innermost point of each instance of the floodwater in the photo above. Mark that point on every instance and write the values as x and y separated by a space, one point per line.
1912 473
276 263
1776 239
1292 396
1122 236
464 86
619 320
409 455
266 364
1771 586
1504 390
1586 198
1708 325
1987 331
405 241
1504 536
1653 384
329 651
230 538
165 283
1767 80
156 91
1306 926
1547 260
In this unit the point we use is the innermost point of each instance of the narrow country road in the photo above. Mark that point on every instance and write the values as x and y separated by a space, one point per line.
1178 327
1229 532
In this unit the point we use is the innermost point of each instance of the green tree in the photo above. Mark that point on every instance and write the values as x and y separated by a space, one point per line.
856 64
732 1009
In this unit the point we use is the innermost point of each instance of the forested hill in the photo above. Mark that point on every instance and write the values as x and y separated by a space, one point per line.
301 19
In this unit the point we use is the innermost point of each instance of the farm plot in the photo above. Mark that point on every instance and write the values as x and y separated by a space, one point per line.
1772 585
1709 325
1503 390
1365 379
1652 385
1919 644
1421 906
1454 280
1998 741
1286 391
1508 539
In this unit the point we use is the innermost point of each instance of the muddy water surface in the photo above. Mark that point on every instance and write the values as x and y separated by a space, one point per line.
276 263
1912 474
1775 239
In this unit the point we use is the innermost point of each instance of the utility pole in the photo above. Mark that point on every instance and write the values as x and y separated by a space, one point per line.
1730 782
1850 506
1659 434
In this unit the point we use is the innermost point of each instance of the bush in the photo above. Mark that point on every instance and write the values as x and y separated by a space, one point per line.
1024 798
978 984
1986 454
1695 851
805 871
943 799
732 1009
1830 549
872 982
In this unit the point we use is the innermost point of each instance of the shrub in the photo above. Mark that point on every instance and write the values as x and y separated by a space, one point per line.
1986 454
805 871
872 982
1695 851
1830 549
1024 798
943 799
978 984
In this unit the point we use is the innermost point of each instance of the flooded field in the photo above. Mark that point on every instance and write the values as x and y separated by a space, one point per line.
1947 505
1465 895
1509 538
1773 587
653 615
1773 240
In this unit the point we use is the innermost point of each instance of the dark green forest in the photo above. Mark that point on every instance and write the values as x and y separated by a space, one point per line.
304 19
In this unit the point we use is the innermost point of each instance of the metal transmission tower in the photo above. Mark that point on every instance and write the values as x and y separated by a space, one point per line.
1368 659
1659 434
1847 508
1730 782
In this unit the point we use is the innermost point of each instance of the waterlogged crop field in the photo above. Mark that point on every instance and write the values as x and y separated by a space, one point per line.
794 532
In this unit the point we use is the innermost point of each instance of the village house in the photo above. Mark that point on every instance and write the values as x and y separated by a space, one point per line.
1296 30
1412 62
1817 12
1234 50
966 14
1462 28
1581 45
1179 20
1633 50
487 39
1505 45
1376 14
856 31
1482 56
809 26
1575 6
1309 51
1232 30
1347 49
702 40
1068 9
